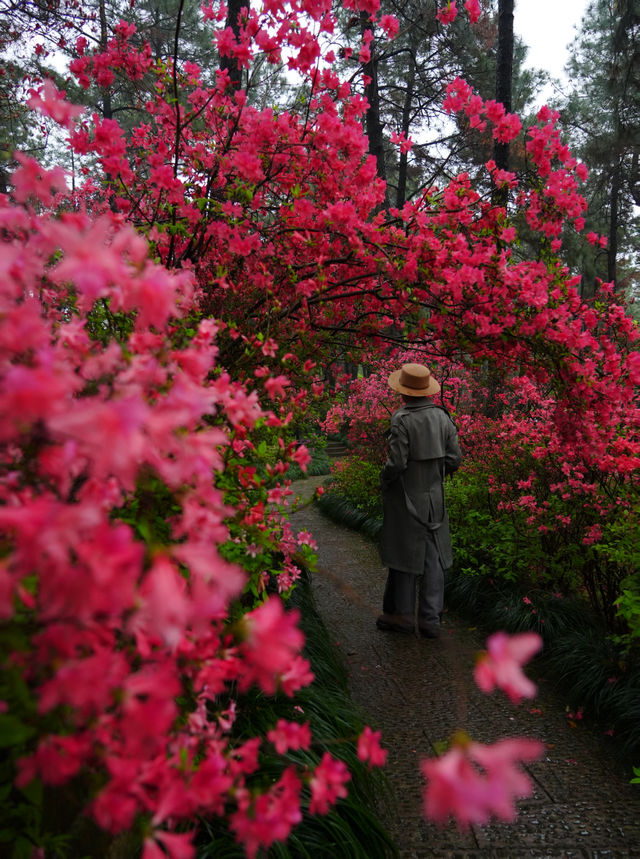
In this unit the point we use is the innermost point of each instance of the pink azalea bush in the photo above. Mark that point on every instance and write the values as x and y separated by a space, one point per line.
125 635
559 501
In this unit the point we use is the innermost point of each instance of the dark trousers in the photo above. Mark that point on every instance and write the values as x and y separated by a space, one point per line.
400 591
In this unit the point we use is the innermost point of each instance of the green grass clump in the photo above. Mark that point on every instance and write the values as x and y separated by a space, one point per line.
341 510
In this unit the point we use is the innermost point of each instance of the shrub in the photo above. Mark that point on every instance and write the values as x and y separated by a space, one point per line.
358 481
484 543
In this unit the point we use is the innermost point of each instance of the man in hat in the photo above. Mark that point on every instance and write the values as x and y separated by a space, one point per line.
415 541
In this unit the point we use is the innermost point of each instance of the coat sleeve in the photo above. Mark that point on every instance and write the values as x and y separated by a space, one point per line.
453 454
398 457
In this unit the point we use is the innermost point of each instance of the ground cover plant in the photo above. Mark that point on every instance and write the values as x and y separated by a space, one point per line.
169 322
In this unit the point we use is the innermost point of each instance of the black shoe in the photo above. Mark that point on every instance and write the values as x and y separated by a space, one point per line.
432 631
393 623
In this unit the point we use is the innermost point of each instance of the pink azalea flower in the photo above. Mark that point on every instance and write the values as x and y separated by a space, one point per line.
302 457
473 782
177 845
269 817
447 13
272 643
390 25
501 761
209 785
369 748
50 102
328 784
297 676
289 735
501 665
275 386
454 789
244 758
473 8
165 606
405 143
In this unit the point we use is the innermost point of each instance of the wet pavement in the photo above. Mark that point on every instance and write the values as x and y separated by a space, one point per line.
419 692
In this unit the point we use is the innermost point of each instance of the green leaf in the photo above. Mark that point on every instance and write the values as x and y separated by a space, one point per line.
13 732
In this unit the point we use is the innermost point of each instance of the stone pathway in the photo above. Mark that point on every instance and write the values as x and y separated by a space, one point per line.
418 692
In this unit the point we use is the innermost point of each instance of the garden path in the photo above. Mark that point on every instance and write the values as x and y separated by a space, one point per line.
419 691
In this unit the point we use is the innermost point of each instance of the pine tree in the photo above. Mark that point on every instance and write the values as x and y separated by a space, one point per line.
406 92
603 115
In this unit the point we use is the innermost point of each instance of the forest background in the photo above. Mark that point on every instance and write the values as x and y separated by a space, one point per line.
222 226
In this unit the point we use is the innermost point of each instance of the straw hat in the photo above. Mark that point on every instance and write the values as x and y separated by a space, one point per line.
414 380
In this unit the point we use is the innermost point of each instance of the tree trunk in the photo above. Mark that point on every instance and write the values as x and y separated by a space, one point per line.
230 64
373 124
504 72
612 239
107 111
401 194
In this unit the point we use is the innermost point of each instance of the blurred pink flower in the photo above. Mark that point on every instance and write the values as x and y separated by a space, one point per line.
447 13
501 665
272 643
473 782
473 8
290 735
50 101
369 748
328 784
177 845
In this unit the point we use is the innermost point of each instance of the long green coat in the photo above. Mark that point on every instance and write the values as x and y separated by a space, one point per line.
423 447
